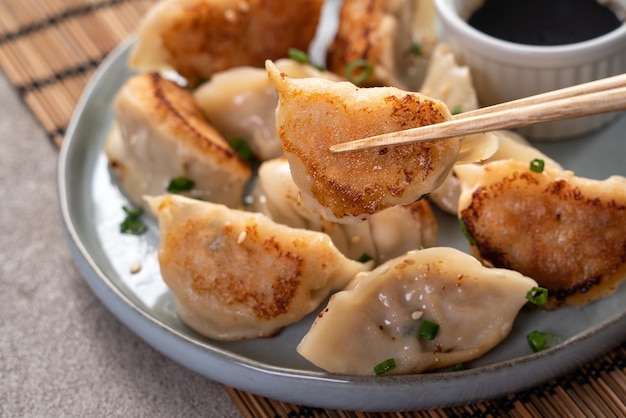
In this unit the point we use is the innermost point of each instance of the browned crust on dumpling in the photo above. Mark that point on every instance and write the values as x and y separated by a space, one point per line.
237 274
351 183
569 238
231 272
172 107
361 36
213 36
356 34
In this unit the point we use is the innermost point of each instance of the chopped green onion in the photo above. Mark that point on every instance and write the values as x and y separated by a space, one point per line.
539 341
385 366
416 49
537 165
457 109
358 71
428 330
537 296
364 258
242 147
180 185
458 367
298 55
132 224
466 233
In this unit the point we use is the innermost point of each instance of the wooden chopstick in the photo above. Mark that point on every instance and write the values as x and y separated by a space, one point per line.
600 96
590 87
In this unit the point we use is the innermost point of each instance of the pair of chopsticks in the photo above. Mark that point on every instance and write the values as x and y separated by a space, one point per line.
600 96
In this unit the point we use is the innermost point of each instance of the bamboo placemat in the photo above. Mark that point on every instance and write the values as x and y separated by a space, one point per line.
49 50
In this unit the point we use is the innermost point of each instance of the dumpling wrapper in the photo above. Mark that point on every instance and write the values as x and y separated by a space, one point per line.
384 235
451 83
241 103
198 38
379 315
566 232
314 113
161 134
238 275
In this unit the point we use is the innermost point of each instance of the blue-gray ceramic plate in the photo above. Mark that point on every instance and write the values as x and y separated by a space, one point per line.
91 205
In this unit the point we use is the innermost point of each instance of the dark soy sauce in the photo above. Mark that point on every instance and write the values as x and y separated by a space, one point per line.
544 22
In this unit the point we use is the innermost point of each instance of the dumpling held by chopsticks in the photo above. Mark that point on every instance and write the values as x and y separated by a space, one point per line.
314 113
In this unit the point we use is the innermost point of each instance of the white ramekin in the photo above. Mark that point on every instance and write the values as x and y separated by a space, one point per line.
504 71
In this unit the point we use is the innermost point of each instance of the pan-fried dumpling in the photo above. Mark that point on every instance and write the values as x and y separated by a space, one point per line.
236 274
384 235
566 232
377 32
314 113
200 37
449 82
379 315
162 135
241 103
510 145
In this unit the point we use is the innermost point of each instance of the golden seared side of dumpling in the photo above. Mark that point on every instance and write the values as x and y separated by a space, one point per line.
160 135
314 113
200 37
236 274
378 317
378 32
566 232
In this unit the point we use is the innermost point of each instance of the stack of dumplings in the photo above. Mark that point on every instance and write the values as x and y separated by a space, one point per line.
274 225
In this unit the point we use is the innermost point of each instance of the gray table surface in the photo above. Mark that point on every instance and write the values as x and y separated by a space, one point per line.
61 352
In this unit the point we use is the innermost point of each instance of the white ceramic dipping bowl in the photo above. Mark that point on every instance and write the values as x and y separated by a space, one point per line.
503 71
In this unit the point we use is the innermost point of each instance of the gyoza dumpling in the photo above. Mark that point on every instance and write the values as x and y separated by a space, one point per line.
377 32
449 82
162 135
382 236
378 317
314 113
241 103
566 232
236 274
200 37
510 145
